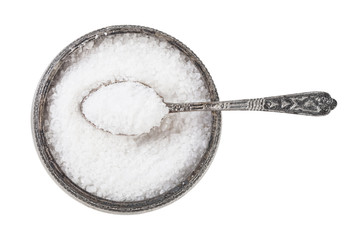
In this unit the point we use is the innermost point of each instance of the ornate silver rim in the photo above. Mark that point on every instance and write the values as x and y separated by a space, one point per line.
38 115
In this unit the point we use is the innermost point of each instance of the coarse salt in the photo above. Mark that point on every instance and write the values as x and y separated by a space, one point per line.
128 108
127 168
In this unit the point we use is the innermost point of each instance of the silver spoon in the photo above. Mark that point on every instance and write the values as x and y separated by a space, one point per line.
308 103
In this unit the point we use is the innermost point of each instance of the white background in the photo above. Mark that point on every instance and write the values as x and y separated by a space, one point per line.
275 176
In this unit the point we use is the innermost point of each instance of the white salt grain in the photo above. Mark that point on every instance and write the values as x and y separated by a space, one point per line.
126 168
128 108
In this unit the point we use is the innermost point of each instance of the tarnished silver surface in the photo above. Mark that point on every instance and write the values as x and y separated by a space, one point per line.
310 104
39 114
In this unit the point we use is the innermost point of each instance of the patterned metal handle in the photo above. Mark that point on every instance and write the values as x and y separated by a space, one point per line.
310 103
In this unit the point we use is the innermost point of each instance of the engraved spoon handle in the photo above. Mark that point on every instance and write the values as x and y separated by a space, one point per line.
309 103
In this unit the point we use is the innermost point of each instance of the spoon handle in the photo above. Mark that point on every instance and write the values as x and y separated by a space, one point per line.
309 103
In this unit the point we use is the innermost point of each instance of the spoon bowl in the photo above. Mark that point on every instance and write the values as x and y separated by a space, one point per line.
124 108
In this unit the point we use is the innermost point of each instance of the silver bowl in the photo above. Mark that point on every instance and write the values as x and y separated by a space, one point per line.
39 115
